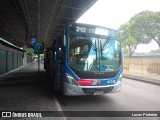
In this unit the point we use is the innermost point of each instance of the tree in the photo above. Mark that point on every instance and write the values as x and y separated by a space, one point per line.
155 52
129 43
30 51
141 29
146 26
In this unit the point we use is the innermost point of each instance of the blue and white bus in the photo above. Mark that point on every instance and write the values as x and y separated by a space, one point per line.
86 60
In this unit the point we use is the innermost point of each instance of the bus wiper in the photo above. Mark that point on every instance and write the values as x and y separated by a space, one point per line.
96 53
105 44
102 47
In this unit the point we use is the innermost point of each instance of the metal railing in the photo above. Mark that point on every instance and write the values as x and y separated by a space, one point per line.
146 67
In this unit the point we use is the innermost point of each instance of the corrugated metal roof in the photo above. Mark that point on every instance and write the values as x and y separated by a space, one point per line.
42 18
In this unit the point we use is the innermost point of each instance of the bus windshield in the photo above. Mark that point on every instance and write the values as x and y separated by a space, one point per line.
94 52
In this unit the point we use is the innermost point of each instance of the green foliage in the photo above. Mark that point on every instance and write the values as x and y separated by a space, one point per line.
30 51
129 43
141 29
155 52
146 26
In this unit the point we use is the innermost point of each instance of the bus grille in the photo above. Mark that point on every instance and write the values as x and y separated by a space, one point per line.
90 91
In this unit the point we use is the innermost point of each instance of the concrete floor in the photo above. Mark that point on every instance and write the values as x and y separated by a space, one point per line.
134 96
26 89
31 94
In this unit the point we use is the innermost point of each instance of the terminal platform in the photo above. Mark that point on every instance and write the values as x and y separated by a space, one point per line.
26 89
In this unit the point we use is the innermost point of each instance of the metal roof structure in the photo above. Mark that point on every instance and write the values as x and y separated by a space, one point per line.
21 19
8 44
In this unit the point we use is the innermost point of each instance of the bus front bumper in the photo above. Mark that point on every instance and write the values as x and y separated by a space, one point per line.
72 90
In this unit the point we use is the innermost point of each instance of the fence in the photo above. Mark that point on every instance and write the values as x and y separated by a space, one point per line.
146 67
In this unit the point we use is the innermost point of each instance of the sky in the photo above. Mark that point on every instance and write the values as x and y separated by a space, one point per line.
113 13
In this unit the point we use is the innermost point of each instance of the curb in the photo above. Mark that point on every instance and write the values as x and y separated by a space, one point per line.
151 81
59 107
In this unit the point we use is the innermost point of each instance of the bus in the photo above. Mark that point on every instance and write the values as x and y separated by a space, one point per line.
86 60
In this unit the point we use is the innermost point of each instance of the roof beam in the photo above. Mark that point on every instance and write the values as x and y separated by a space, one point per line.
10 27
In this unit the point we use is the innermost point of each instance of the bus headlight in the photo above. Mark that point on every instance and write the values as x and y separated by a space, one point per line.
71 79
119 79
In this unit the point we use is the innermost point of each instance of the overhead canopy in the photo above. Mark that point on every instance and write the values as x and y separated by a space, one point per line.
21 19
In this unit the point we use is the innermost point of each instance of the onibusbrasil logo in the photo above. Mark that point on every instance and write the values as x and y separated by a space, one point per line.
21 114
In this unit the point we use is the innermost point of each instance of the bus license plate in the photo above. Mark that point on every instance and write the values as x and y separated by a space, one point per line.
98 92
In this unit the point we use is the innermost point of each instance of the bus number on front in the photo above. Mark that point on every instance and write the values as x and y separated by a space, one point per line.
80 29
